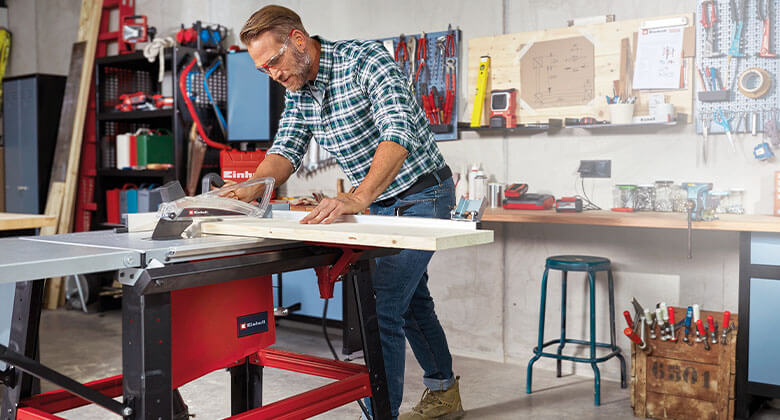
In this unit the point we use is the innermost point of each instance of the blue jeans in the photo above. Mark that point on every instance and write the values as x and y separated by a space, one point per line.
404 305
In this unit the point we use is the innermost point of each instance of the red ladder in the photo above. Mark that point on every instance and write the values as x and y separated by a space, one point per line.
85 199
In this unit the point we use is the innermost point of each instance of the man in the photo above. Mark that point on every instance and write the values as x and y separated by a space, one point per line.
352 97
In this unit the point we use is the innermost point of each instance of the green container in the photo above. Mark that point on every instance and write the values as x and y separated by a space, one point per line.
154 147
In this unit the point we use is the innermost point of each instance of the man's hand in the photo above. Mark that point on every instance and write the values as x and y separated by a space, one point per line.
331 209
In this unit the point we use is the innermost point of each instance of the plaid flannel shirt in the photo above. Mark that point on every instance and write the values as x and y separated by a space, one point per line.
359 99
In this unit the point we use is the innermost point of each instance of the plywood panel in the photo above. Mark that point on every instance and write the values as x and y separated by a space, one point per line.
378 231
506 52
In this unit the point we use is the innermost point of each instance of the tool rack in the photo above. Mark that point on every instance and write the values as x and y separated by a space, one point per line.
736 106
435 76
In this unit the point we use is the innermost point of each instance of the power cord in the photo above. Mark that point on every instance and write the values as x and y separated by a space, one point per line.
333 351
587 203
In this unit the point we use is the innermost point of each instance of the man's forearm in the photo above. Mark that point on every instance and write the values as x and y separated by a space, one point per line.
275 166
387 162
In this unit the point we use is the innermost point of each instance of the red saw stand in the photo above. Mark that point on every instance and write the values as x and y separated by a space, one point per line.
188 319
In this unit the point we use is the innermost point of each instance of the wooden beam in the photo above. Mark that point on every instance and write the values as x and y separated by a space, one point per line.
89 24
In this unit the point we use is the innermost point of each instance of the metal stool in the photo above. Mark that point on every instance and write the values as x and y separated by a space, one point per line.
591 265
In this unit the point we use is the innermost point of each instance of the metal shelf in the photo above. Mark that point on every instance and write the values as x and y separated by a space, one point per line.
136 173
135 115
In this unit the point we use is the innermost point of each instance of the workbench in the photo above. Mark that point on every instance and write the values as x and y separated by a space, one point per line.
725 222
187 305
758 369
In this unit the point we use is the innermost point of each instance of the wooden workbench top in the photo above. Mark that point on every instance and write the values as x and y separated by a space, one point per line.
726 222
12 221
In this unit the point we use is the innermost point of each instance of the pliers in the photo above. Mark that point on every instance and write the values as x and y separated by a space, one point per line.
400 50
422 55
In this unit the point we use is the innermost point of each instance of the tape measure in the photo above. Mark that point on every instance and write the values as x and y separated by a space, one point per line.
479 98
754 82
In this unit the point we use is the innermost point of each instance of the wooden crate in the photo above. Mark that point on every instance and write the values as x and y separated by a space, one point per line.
678 381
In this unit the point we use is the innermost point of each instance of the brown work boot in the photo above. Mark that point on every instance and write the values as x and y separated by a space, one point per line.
442 405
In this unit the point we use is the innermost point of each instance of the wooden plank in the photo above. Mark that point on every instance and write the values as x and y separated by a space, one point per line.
727 222
640 410
89 24
59 168
659 406
506 51
386 232
13 221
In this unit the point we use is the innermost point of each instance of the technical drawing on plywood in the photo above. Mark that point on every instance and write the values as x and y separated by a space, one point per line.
558 73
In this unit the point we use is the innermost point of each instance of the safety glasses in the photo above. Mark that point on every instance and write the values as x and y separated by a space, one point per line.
271 63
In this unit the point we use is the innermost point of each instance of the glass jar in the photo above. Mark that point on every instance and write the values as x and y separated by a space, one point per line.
624 196
720 200
736 201
663 196
679 198
645 197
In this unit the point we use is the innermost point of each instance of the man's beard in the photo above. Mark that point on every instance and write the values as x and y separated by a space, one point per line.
301 69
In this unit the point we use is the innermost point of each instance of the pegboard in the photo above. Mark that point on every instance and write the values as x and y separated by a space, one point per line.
738 107
435 76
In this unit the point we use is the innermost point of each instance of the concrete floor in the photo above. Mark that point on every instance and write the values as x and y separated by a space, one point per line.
87 347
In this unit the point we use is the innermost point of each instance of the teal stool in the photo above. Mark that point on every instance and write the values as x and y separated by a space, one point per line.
590 265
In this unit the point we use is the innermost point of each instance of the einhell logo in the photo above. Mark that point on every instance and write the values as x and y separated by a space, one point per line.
252 324
192 212
236 174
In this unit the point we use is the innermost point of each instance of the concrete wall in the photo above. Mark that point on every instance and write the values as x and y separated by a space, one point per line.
488 296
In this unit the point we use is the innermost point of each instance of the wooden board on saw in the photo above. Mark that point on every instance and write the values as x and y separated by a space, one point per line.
376 231
608 39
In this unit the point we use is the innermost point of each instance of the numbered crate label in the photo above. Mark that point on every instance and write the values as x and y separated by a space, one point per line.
682 378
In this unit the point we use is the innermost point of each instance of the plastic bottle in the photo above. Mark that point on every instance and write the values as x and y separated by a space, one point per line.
472 185
480 185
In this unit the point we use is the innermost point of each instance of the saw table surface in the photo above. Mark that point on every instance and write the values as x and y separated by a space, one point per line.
37 257
13 221
370 230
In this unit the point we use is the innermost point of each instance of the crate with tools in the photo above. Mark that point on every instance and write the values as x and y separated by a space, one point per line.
683 362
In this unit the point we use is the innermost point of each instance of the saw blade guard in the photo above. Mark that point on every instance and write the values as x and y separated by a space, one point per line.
217 201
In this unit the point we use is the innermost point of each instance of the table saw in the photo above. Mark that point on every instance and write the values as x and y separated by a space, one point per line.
203 301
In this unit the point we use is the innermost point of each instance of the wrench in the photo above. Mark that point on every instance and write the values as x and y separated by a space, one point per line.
411 44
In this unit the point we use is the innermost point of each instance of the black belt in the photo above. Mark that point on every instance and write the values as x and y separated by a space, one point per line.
425 181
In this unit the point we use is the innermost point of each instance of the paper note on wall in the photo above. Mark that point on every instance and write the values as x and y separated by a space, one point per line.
659 62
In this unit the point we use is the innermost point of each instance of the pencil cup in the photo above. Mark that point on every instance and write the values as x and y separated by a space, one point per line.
621 113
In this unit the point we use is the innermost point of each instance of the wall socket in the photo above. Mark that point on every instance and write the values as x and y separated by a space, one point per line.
595 168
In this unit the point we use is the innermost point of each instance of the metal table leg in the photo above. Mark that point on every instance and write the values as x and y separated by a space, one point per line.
28 302
146 353
246 387
372 348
